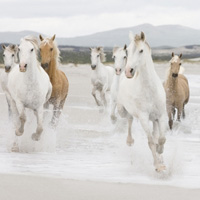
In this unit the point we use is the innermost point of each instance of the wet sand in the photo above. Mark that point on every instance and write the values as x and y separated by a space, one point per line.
23 187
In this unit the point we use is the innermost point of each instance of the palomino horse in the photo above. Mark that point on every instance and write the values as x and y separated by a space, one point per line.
10 61
177 90
50 59
102 75
141 95
120 58
29 87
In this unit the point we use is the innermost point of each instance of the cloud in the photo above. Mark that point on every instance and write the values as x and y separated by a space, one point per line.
73 18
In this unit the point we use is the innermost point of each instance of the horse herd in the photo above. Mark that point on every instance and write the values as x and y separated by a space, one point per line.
135 88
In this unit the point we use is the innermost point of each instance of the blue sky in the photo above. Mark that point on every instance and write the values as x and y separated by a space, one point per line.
81 17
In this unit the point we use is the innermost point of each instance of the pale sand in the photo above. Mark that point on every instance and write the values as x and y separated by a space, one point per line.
24 187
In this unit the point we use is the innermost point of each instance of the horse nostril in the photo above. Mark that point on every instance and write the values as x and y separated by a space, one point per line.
120 70
131 70
25 65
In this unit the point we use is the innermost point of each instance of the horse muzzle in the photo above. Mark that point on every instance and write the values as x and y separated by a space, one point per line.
45 65
22 67
7 69
174 75
93 67
130 72
118 71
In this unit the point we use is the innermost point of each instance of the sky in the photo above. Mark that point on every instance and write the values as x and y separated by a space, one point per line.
70 18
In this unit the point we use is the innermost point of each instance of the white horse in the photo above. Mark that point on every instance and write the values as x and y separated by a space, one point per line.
10 61
141 95
102 75
29 86
120 58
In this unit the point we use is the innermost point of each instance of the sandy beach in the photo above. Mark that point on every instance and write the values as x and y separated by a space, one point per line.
23 187
87 156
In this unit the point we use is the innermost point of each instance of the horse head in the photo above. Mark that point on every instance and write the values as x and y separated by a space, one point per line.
137 52
97 56
48 51
175 65
9 56
120 58
27 52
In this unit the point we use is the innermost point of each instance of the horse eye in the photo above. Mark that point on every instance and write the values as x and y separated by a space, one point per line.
180 64
12 55
51 49
141 51
97 55
31 50
124 57
3 55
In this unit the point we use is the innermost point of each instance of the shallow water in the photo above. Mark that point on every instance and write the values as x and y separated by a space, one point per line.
87 146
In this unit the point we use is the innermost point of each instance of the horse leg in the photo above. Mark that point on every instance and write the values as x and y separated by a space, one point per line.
57 111
39 115
180 109
21 110
95 98
170 122
103 98
15 115
113 107
144 120
122 111
162 130
130 140
9 107
183 112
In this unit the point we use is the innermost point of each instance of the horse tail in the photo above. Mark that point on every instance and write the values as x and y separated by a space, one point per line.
181 70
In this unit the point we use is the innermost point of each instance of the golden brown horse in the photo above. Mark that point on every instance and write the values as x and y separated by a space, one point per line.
50 60
177 90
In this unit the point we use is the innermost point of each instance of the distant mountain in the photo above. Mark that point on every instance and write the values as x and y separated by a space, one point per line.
14 37
166 36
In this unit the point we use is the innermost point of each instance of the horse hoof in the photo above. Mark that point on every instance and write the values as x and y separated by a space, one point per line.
35 137
130 142
15 148
161 168
18 133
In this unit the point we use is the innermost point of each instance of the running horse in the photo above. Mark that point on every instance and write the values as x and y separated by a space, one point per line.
50 60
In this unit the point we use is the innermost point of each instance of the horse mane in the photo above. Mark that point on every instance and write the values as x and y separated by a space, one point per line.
138 38
101 53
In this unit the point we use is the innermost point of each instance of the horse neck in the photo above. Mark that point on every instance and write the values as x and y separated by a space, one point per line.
147 71
99 67
52 68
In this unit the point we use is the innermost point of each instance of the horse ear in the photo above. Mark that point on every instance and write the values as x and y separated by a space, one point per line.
172 54
15 48
142 36
180 55
53 38
131 36
99 48
125 47
41 38
3 46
